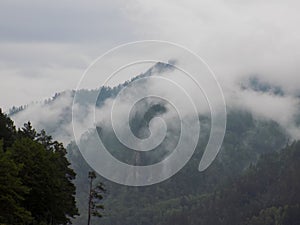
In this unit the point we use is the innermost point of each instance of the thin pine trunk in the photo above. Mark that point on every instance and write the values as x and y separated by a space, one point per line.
90 201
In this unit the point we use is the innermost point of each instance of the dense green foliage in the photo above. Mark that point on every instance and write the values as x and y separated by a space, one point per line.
36 181
12 191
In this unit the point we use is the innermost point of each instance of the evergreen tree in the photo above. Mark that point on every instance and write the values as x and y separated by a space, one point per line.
28 131
36 182
12 191
51 198
95 196
7 130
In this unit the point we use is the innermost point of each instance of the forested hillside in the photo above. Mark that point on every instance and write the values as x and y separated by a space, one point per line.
253 181
235 189
150 112
238 188
248 144
265 194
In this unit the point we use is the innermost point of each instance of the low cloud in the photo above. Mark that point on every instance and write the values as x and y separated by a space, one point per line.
237 39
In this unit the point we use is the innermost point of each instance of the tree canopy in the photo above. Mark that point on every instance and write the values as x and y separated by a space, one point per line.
36 183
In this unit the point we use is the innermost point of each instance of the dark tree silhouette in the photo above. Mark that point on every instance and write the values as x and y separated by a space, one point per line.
95 196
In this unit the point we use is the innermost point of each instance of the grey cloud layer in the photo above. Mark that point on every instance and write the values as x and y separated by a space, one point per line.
61 21
48 44
45 46
236 38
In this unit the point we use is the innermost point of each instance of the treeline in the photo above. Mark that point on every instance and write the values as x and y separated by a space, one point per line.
35 178
16 109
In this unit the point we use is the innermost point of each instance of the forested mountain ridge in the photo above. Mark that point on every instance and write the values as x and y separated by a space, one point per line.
189 197
55 114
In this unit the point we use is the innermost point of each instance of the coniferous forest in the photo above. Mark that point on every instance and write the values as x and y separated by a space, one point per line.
37 183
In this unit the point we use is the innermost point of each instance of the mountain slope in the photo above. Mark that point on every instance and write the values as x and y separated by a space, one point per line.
246 139
179 198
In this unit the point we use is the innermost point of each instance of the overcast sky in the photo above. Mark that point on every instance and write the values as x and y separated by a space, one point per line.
45 46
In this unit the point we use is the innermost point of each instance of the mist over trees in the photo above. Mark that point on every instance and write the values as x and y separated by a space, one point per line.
253 181
244 185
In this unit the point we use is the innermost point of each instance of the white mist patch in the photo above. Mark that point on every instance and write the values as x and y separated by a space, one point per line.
54 117
266 106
